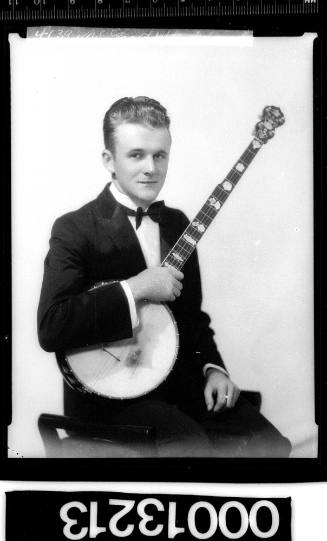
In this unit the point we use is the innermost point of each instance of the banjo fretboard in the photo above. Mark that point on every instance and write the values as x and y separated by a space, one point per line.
188 241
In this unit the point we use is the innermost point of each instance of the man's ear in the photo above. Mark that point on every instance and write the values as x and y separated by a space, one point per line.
108 161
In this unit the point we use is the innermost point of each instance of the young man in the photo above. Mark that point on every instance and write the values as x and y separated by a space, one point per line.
117 242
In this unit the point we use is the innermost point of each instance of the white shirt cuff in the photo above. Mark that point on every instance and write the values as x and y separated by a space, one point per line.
211 365
131 304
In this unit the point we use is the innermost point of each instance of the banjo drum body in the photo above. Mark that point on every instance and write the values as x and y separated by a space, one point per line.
131 367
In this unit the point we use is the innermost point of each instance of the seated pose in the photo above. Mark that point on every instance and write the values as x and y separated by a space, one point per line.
104 260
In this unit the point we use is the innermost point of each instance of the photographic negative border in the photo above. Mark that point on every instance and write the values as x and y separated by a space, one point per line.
228 470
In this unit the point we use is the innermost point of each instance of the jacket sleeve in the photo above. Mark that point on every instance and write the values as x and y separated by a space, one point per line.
205 346
70 313
201 343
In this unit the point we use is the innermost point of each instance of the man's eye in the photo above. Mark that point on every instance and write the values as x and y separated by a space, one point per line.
136 155
160 156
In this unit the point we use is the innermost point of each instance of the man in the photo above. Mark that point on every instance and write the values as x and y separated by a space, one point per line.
112 241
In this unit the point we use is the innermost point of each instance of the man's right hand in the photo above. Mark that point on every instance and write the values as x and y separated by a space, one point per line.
158 284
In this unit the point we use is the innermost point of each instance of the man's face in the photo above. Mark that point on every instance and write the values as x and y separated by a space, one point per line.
140 161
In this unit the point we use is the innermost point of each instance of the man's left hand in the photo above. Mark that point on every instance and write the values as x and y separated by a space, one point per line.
219 391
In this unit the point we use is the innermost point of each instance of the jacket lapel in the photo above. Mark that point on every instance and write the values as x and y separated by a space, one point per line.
168 234
119 229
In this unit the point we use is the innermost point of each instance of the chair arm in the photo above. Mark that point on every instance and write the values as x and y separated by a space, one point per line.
49 424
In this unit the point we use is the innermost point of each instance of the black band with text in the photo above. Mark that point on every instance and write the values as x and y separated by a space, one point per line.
58 516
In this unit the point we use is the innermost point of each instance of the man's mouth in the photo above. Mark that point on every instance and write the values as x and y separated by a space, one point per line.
147 182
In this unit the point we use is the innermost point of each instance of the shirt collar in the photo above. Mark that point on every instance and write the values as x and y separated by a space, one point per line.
122 197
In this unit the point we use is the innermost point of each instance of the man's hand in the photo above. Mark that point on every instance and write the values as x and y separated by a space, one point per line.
219 391
158 284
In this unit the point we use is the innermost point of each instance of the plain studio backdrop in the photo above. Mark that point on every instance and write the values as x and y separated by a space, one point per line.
257 257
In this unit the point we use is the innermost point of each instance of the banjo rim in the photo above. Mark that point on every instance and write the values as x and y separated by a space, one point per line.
77 384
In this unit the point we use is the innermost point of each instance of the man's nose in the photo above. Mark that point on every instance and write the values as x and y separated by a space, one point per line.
149 165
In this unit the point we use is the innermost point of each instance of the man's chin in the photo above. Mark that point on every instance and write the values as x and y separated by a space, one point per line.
147 196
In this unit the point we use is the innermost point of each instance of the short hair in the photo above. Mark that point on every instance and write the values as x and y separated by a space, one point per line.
139 110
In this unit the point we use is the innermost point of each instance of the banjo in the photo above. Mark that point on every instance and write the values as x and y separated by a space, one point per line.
135 366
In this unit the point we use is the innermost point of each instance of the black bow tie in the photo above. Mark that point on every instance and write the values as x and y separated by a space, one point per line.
154 212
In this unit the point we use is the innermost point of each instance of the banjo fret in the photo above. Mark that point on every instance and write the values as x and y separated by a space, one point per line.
189 239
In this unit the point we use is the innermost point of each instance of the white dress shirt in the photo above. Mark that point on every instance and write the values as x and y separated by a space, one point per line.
148 235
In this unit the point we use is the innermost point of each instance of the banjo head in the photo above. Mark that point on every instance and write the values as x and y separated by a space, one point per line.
127 368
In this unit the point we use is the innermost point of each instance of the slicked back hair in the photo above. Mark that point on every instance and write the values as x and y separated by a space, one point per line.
139 110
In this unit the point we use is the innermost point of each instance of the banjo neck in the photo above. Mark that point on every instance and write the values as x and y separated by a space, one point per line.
272 117
194 232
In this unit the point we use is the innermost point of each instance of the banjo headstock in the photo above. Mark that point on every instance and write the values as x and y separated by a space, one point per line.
271 118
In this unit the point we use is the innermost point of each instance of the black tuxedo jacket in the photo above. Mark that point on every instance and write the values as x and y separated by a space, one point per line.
96 244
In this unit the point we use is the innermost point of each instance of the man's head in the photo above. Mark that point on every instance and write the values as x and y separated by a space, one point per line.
137 144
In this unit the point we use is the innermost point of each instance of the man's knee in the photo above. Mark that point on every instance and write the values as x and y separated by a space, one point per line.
176 433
